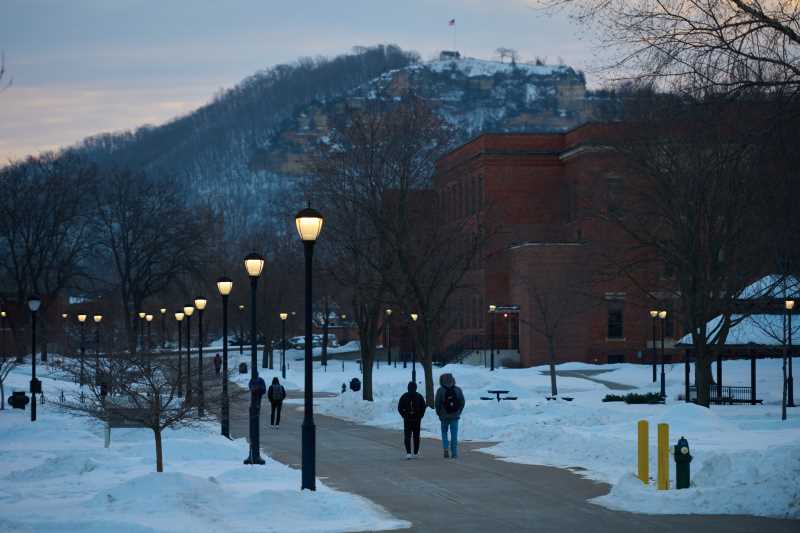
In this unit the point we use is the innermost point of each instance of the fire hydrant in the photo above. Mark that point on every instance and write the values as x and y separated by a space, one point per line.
682 460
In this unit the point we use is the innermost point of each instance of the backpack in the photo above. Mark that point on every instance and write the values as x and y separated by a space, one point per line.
278 393
450 400
412 404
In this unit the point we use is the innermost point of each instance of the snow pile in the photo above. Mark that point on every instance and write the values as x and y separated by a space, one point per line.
472 67
55 475
746 460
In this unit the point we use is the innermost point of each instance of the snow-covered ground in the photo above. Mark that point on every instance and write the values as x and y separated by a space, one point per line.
746 460
55 475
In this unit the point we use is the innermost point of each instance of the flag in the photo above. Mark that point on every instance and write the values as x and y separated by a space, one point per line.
452 22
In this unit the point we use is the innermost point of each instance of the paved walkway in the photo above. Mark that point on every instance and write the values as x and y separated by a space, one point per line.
590 375
475 493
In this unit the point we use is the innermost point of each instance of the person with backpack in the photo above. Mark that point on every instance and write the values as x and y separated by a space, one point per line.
449 404
412 408
276 395
217 363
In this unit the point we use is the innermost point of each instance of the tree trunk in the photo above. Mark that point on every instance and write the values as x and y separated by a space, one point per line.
552 348
429 394
2 396
702 378
159 454
325 320
367 356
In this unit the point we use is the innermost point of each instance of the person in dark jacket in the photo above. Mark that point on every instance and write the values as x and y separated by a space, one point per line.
217 363
412 408
449 404
276 395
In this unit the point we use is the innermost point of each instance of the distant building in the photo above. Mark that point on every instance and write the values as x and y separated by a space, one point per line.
446 55
539 194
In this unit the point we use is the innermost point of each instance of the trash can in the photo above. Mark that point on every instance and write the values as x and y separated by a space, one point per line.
355 384
243 368
18 400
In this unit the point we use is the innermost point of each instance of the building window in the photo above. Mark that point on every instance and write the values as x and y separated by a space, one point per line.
615 320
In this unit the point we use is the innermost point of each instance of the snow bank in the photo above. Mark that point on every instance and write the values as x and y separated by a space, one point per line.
471 67
55 475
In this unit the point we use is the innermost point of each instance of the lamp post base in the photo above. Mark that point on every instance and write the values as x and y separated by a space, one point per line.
790 392
255 449
309 465
663 385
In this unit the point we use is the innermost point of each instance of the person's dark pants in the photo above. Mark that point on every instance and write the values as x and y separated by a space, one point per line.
275 414
411 428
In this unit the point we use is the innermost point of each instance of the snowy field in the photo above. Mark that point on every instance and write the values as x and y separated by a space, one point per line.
56 476
746 461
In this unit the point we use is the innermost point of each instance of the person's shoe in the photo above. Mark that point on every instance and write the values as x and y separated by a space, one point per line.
416 455
446 454
408 456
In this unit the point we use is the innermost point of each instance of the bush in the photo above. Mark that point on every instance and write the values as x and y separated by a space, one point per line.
635 398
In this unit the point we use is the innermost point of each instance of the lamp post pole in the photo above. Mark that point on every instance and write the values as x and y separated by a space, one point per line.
188 311
163 312
241 329
97 320
33 305
254 263
82 322
283 316
309 225
388 339
493 313
662 315
654 316
414 317
225 286
179 318
790 379
200 305
142 314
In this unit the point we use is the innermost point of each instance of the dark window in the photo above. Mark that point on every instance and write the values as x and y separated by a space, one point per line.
616 358
615 329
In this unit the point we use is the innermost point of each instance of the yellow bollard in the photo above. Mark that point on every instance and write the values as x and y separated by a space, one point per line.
663 457
643 451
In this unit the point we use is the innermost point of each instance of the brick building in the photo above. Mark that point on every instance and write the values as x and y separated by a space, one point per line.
542 196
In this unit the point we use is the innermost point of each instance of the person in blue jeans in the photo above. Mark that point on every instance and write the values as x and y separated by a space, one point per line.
449 404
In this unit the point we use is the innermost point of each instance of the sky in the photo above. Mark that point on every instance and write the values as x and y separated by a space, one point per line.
82 67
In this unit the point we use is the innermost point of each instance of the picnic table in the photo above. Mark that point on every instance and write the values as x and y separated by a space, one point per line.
497 393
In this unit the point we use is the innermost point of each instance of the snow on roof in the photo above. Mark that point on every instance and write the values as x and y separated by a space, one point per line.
760 329
472 67
772 286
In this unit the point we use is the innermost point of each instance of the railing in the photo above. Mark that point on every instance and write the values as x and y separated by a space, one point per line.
726 394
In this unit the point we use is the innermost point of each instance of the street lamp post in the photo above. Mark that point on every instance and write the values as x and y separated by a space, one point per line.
200 305
97 319
387 340
789 304
188 311
142 316
662 315
414 317
163 312
241 329
3 315
225 286
82 321
254 264
179 317
283 316
309 225
36 386
493 312
654 316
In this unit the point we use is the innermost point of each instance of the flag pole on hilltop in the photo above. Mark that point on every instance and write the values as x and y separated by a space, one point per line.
452 24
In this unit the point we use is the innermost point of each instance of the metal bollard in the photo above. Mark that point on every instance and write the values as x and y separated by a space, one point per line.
643 451
663 457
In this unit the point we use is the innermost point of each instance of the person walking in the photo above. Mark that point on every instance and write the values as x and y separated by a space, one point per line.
412 408
275 395
449 404
217 363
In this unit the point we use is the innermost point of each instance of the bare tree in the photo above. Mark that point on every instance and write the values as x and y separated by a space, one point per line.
142 390
689 208
725 46
7 364
510 53
148 237
44 225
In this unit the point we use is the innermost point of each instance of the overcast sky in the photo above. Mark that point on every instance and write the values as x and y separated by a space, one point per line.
81 67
